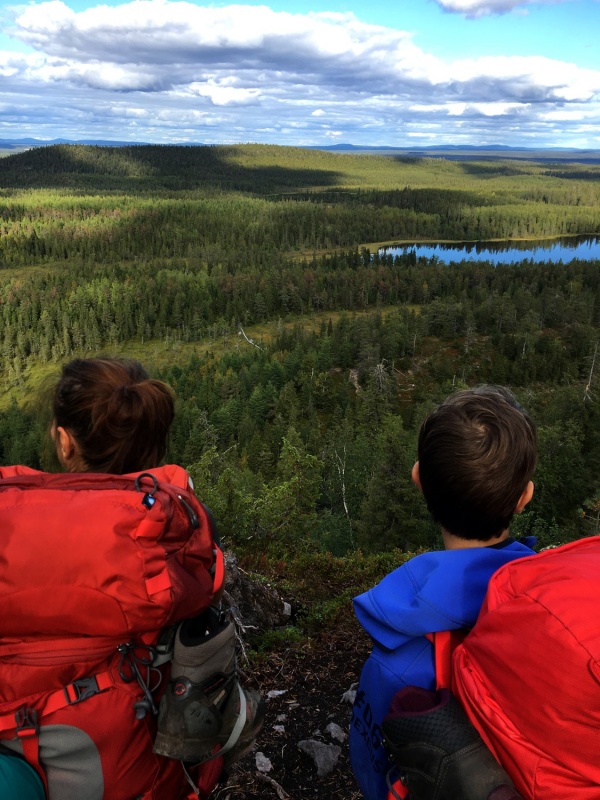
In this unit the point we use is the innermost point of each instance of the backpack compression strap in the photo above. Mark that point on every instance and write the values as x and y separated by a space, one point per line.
25 721
218 570
397 790
444 644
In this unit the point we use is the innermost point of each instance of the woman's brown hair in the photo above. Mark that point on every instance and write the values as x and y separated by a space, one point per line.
119 417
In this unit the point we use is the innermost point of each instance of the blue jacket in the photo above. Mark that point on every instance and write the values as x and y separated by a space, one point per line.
436 591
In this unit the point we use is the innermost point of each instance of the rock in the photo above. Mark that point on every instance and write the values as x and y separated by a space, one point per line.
336 732
256 606
350 695
263 764
325 756
276 693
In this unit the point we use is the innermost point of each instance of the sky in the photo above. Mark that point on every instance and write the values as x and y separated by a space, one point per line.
398 73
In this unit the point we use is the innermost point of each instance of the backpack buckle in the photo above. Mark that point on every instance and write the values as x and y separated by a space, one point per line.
148 499
81 689
26 720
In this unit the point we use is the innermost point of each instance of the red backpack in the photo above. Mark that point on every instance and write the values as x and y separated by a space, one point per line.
93 568
528 674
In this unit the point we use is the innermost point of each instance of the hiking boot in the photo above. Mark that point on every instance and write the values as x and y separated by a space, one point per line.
255 716
205 712
438 752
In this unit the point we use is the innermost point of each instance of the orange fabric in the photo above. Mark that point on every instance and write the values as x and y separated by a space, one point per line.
80 550
31 752
219 577
91 561
527 675
444 645
398 790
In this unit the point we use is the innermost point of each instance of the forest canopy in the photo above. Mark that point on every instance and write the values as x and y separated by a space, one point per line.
303 358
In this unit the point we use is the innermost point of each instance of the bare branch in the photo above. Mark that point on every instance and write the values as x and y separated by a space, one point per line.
240 628
250 341
380 374
280 791
341 468
587 392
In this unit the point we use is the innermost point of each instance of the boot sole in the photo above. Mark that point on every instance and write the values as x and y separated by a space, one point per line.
194 751
198 750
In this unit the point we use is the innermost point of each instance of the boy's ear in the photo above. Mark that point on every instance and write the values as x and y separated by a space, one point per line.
525 497
416 476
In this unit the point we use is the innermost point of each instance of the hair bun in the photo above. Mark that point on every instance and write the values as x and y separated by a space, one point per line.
119 417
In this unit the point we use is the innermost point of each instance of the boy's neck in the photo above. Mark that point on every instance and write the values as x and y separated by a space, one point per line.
452 542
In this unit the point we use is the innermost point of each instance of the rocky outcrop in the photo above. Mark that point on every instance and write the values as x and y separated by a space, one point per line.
255 605
308 687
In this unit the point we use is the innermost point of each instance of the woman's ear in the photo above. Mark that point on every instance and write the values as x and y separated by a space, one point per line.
525 497
416 476
66 446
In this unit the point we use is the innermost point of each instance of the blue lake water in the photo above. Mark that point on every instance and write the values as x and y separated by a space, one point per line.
585 248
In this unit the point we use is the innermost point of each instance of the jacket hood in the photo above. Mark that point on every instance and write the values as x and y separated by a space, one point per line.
436 591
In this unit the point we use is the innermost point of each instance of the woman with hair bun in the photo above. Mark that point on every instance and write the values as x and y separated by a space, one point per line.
109 416
107 574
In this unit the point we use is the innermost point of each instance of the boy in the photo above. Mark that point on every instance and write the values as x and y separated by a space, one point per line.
476 458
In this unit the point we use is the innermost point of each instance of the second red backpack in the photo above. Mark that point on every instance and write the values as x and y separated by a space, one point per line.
528 674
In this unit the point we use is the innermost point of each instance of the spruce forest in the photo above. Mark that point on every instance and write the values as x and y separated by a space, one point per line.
303 358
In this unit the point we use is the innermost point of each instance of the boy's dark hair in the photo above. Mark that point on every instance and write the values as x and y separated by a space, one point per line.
477 453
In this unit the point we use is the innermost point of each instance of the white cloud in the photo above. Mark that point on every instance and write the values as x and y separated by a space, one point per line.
564 115
132 113
481 8
270 76
491 109
421 135
223 95
540 78
496 109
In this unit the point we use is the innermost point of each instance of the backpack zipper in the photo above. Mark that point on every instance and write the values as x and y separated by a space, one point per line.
51 652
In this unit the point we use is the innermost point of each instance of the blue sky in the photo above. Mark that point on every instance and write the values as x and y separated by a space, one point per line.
303 72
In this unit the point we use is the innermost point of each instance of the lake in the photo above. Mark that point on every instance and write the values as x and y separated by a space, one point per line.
584 248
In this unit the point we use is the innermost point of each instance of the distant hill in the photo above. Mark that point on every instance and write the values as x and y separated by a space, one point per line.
18 144
381 148
131 168
455 152
449 151
267 170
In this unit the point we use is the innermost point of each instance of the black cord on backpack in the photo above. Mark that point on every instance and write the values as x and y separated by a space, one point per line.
131 659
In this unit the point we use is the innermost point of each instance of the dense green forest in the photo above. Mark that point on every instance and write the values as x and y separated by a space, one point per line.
303 360
234 210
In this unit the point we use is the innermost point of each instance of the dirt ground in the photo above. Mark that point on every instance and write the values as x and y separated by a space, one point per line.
310 680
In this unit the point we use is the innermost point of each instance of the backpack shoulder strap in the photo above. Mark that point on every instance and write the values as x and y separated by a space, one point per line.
173 474
396 790
444 644
218 571
18 470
